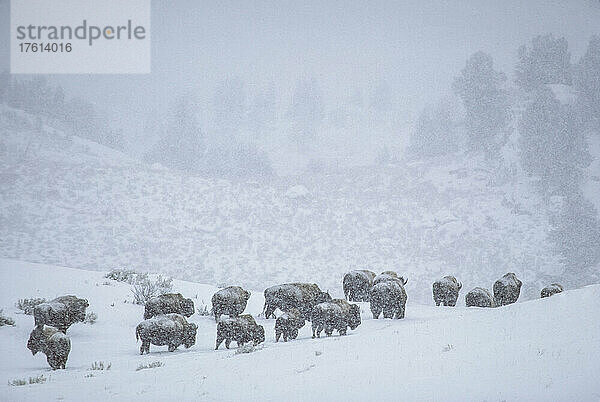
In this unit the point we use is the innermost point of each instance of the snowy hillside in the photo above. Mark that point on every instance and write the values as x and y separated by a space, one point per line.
537 350
71 202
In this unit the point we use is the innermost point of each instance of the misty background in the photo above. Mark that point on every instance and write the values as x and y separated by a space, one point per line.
281 137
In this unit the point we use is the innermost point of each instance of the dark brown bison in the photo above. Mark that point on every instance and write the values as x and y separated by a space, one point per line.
61 312
507 289
357 284
169 303
336 315
288 324
303 296
388 297
480 297
231 301
445 291
240 329
51 342
552 290
166 329
387 276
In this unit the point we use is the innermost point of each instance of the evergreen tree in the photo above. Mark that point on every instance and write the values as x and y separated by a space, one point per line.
548 61
486 106
587 85
552 143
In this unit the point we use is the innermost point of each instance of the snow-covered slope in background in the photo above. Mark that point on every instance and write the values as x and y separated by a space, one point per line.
67 201
543 349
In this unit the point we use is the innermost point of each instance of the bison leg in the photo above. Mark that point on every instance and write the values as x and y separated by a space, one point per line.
294 334
400 313
376 311
227 343
269 311
145 347
219 341
172 347
278 335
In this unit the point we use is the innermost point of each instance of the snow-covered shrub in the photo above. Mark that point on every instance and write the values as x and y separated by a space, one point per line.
149 365
27 305
146 289
4 320
123 275
90 317
247 348
32 380
100 366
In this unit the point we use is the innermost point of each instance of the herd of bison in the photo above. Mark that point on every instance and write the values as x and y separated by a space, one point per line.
165 322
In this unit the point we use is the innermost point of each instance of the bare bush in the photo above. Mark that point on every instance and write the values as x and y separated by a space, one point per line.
146 289
27 305
149 365
32 380
100 366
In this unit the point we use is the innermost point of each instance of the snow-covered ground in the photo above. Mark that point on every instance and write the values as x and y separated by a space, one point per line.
535 350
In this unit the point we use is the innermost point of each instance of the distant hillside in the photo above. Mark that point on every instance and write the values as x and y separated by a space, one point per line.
67 201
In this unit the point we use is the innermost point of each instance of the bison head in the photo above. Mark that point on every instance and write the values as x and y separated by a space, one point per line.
323 297
190 335
246 295
187 307
37 340
354 320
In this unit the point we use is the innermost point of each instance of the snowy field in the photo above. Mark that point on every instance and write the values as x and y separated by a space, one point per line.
535 350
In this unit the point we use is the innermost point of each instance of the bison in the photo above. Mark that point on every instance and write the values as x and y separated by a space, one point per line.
387 276
60 313
357 284
388 297
445 291
51 342
303 296
336 315
552 290
480 297
288 324
166 329
507 289
168 303
231 301
240 329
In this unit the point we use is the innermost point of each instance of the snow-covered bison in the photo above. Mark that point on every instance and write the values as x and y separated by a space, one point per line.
445 291
552 290
303 296
240 329
169 303
387 276
51 342
507 289
166 329
480 297
337 315
388 297
357 284
61 312
231 300
288 324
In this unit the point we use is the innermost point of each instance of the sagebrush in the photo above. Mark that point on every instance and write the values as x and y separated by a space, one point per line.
27 305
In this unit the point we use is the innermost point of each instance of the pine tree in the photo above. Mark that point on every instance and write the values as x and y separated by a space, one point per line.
552 143
487 110
548 61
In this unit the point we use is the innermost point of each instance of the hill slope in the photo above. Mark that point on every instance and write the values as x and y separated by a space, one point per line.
538 350
71 202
